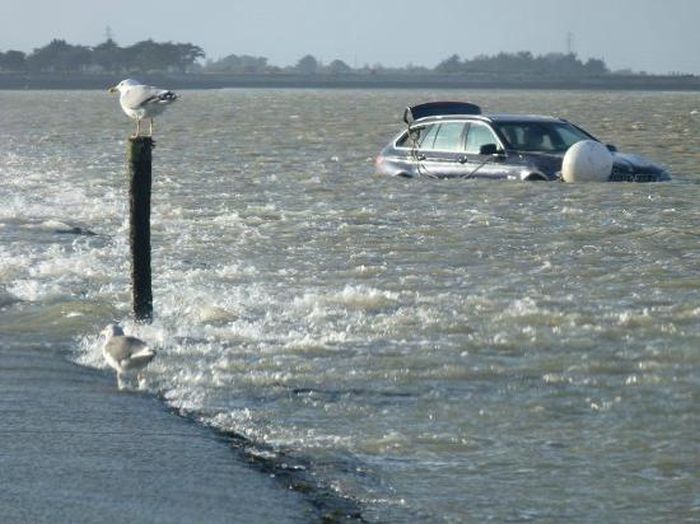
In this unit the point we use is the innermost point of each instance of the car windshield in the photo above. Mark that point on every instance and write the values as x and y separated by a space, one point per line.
551 137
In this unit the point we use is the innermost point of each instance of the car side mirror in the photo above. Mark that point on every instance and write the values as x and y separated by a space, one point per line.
611 148
490 150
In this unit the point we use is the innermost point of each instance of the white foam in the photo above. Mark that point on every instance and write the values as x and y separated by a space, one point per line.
350 297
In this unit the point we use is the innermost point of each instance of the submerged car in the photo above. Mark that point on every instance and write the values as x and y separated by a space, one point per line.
455 140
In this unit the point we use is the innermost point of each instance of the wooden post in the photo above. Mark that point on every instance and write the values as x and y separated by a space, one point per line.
140 181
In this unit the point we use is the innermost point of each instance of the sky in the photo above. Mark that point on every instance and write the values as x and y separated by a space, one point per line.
656 36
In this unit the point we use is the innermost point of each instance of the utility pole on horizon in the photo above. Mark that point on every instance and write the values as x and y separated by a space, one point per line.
569 43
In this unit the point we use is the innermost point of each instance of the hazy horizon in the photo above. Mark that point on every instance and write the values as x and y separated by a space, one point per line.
647 36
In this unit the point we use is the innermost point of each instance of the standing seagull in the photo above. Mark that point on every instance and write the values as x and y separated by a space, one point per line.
124 353
141 101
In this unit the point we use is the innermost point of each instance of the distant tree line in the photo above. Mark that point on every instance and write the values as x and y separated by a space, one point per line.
148 56
524 62
307 65
61 57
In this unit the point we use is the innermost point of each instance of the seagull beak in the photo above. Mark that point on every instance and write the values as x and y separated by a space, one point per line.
112 90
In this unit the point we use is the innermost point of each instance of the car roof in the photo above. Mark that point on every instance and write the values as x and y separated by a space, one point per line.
491 117
506 117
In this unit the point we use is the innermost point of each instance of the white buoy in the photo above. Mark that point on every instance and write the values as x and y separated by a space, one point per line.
587 161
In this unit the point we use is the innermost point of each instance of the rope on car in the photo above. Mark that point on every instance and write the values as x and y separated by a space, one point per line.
473 172
422 171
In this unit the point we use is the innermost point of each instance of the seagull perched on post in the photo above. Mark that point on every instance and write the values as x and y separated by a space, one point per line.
125 353
140 101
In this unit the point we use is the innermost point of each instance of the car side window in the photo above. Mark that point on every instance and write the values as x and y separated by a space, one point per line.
535 137
449 137
567 137
413 137
446 136
405 140
428 135
479 135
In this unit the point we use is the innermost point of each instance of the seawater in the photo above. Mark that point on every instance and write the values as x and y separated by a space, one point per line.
438 351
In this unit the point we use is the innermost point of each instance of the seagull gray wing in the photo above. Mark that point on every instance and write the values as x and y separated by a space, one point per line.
140 96
136 96
122 348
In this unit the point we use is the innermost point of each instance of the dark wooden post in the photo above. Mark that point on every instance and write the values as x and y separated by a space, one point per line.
140 181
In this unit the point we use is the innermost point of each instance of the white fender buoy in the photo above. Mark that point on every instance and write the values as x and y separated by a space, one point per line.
587 161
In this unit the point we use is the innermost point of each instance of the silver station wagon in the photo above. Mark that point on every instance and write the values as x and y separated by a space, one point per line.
455 140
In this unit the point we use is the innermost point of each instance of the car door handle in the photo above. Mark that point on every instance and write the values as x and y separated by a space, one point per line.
420 157
463 159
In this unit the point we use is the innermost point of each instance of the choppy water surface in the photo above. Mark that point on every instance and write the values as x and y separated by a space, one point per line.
441 351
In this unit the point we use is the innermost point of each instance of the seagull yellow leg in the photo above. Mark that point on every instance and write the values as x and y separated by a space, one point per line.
150 129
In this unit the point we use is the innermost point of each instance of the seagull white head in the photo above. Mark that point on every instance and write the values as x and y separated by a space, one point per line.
124 84
112 330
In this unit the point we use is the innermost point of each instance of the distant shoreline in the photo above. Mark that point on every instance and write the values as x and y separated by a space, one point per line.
53 81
